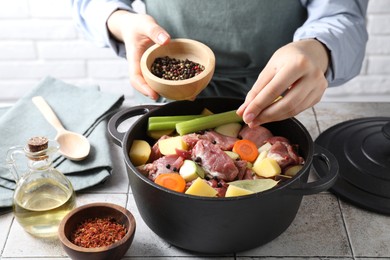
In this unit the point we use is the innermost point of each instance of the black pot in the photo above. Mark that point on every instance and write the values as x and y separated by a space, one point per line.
220 225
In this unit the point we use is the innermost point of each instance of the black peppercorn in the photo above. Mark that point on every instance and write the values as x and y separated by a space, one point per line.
175 69
198 159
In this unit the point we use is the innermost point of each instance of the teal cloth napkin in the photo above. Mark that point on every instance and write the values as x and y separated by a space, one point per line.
82 110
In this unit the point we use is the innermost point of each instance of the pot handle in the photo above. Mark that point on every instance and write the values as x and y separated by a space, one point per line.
326 179
121 116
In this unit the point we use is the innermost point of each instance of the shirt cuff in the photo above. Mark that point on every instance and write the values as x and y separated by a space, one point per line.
345 43
117 46
329 74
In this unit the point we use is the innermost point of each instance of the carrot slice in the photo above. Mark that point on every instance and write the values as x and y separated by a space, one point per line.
172 181
246 149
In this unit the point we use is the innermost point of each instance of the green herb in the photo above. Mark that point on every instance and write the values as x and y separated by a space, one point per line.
257 185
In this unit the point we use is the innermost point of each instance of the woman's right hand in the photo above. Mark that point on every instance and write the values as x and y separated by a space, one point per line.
137 32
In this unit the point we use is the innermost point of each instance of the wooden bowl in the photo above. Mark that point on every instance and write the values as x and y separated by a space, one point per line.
179 49
97 210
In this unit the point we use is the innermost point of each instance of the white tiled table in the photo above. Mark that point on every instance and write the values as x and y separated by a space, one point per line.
325 227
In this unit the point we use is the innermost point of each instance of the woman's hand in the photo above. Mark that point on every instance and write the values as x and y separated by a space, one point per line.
137 32
296 72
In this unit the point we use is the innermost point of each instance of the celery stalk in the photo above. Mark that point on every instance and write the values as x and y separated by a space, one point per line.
167 122
207 122
157 126
155 119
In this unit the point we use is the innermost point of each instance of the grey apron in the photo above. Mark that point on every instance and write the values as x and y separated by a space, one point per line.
242 33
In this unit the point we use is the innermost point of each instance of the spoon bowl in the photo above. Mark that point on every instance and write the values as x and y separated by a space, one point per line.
68 141
73 146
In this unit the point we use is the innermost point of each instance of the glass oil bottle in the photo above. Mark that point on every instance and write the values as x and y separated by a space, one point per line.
43 195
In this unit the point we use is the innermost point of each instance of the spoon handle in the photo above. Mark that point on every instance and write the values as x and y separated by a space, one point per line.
48 113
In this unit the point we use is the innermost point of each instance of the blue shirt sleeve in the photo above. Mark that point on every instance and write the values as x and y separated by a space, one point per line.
91 18
341 26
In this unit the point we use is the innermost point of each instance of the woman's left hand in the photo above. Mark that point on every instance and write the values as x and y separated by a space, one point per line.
296 71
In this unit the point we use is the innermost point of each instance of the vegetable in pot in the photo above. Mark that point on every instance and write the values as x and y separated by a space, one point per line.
139 152
169 145
190 170
266 168
246 149
201 188
230 129
218 163
207 122
257 185
172 181
235 191
168 122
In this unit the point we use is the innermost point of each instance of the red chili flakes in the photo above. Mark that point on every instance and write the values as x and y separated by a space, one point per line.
98 232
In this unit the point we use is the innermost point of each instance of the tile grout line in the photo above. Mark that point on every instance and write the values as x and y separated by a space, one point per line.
345 227
6 239
316 119
338 199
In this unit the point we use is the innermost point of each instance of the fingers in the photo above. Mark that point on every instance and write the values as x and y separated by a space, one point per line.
260 100
139 83
157 34
295 71
302 95
137 39
150 31
264 78
296 100
137 80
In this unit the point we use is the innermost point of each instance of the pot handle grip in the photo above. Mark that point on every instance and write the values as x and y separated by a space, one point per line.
327 175
121 116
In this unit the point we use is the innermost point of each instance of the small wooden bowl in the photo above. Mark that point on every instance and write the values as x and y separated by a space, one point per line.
179 49
97 210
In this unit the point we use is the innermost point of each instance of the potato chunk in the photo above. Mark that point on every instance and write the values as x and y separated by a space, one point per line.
156 134
230 129
201 188
266 167
169 145
293 170
234 191
139 152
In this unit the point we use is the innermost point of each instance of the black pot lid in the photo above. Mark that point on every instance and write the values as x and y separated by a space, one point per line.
362 149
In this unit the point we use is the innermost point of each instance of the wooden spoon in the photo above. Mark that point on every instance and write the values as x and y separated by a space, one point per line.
73 146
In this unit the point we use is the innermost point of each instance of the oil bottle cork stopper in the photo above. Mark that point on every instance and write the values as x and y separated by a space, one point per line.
38 143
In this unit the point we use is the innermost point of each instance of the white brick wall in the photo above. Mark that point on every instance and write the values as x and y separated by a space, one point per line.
38 38
373 83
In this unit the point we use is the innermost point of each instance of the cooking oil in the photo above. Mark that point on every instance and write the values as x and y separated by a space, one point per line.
41 206
43 195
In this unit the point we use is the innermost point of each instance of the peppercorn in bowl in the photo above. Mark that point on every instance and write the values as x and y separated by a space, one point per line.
179 70
97 231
